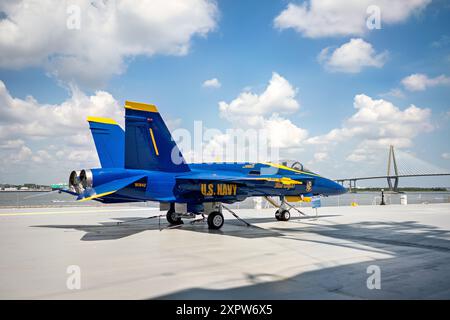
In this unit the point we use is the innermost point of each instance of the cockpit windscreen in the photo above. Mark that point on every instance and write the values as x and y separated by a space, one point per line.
294 164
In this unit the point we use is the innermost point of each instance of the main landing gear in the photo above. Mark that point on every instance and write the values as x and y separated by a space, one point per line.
173 217
215 218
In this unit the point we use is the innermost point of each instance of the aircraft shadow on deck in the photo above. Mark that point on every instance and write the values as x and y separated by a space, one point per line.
128 226
417 269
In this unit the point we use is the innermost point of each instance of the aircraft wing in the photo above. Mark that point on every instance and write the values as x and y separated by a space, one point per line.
107 188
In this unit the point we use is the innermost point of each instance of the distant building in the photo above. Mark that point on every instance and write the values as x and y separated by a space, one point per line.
59 186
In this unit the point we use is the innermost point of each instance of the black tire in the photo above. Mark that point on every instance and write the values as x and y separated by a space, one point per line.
215 220
278 215
172 218
285 215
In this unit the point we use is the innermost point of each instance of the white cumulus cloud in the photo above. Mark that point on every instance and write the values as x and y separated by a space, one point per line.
352 57
12 144
262 111
279 96
256 117
44 142
420 82
36 33
28 118
324 18
212 83
283 133
320 156
396 93
378 124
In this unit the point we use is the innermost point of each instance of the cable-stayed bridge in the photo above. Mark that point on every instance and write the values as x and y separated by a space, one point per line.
399 167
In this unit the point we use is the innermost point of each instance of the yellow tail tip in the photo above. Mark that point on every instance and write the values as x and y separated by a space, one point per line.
140 106
101 120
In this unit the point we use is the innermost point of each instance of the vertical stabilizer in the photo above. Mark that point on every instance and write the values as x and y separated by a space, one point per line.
109 139
148 142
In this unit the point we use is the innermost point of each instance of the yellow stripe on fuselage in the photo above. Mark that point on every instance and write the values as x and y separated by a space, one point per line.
283 180
97 196
280 166
140 106
154 142
102 120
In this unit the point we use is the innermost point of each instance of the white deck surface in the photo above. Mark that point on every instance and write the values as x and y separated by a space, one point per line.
324 258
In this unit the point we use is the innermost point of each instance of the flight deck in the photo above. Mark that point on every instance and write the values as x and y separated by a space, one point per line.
118 254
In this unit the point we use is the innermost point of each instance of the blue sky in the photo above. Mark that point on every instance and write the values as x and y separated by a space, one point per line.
242 47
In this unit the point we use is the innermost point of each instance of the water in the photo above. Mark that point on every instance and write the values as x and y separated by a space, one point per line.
55 199
46 199
374 198
366 198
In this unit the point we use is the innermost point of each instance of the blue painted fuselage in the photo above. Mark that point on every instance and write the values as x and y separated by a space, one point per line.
143 163
217 182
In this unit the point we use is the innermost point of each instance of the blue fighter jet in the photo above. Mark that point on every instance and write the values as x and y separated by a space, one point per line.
143 163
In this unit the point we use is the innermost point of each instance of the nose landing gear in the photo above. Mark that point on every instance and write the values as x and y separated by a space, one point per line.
282 215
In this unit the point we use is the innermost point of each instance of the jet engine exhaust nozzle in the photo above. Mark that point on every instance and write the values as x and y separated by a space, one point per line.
86 179
75 182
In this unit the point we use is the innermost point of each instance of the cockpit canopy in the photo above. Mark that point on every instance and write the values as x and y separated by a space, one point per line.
294 164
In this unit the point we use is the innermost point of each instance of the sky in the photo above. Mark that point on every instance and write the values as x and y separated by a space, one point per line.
333 83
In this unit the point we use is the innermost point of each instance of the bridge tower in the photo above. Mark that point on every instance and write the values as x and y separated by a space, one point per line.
392 166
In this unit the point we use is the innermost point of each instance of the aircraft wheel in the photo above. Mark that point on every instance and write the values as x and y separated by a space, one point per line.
285 215
278 215
215 220
173 218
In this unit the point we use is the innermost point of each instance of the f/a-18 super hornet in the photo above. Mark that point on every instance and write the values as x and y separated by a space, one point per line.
143 163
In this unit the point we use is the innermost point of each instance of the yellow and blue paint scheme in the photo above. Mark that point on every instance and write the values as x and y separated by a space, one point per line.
143 163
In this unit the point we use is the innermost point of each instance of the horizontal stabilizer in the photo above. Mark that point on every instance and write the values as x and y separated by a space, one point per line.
108 188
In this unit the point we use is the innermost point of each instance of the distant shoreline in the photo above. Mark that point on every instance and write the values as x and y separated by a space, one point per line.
26 190
404 189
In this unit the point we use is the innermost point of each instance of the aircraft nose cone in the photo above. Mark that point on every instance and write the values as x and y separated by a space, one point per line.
340 189
331 187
